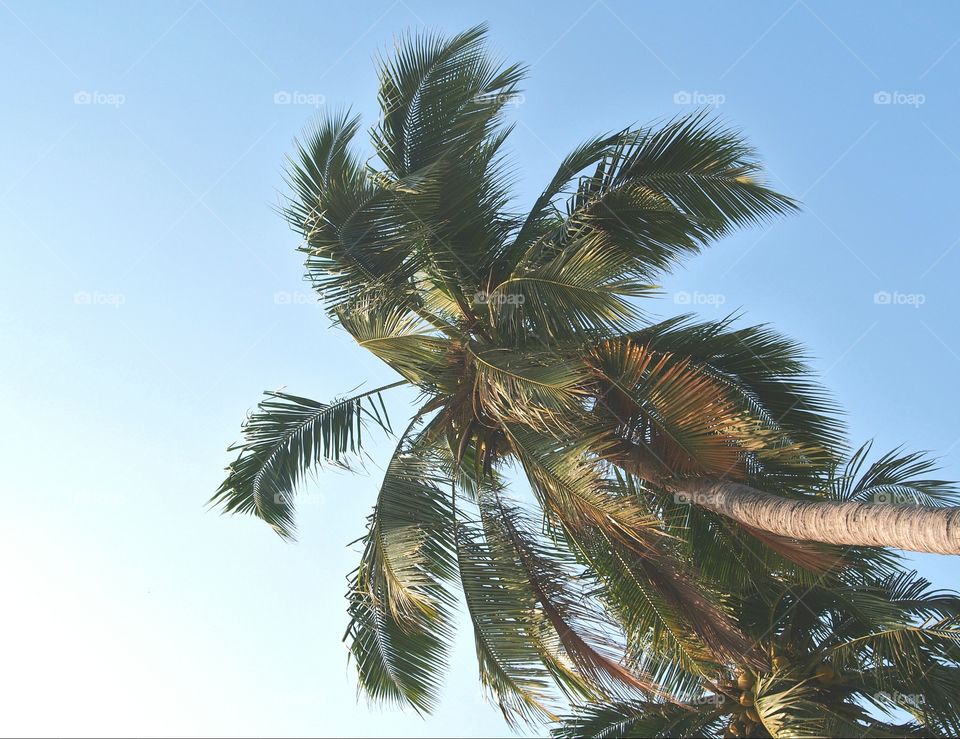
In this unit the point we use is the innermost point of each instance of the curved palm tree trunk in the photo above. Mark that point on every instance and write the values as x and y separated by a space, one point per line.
914 528
911 527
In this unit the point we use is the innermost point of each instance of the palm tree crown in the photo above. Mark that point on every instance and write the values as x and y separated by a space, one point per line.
526 339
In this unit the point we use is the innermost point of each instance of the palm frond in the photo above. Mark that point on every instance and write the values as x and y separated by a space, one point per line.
506 625
662 192
931 700
793 713
348 223
896 477
582 291
442 104
900 643
544 216
564 476
400 601
439 97
661 629
766 373
707 171
585 635
622 720
535 388
402 339
666 610
680 415
283 439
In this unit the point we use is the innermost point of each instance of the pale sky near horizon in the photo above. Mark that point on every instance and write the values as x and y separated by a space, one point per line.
150 294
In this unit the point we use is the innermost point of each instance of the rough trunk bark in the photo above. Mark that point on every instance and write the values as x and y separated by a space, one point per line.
910 527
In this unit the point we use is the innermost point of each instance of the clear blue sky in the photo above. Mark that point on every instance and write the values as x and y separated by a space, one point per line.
142 148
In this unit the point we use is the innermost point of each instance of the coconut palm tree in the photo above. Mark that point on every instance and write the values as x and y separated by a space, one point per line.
525 338
848 652
844 661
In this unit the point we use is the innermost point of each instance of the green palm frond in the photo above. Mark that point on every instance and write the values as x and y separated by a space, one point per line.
931 700
586 638
544 215
506 623
705 171
581 291
869 602
677 628
283 439
439 97
793 713
622 720
400 338
535 388
442 104
915 596
399 598
890 642
767 373
571 489
896 477
904 645
659 193
348 223
660 640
